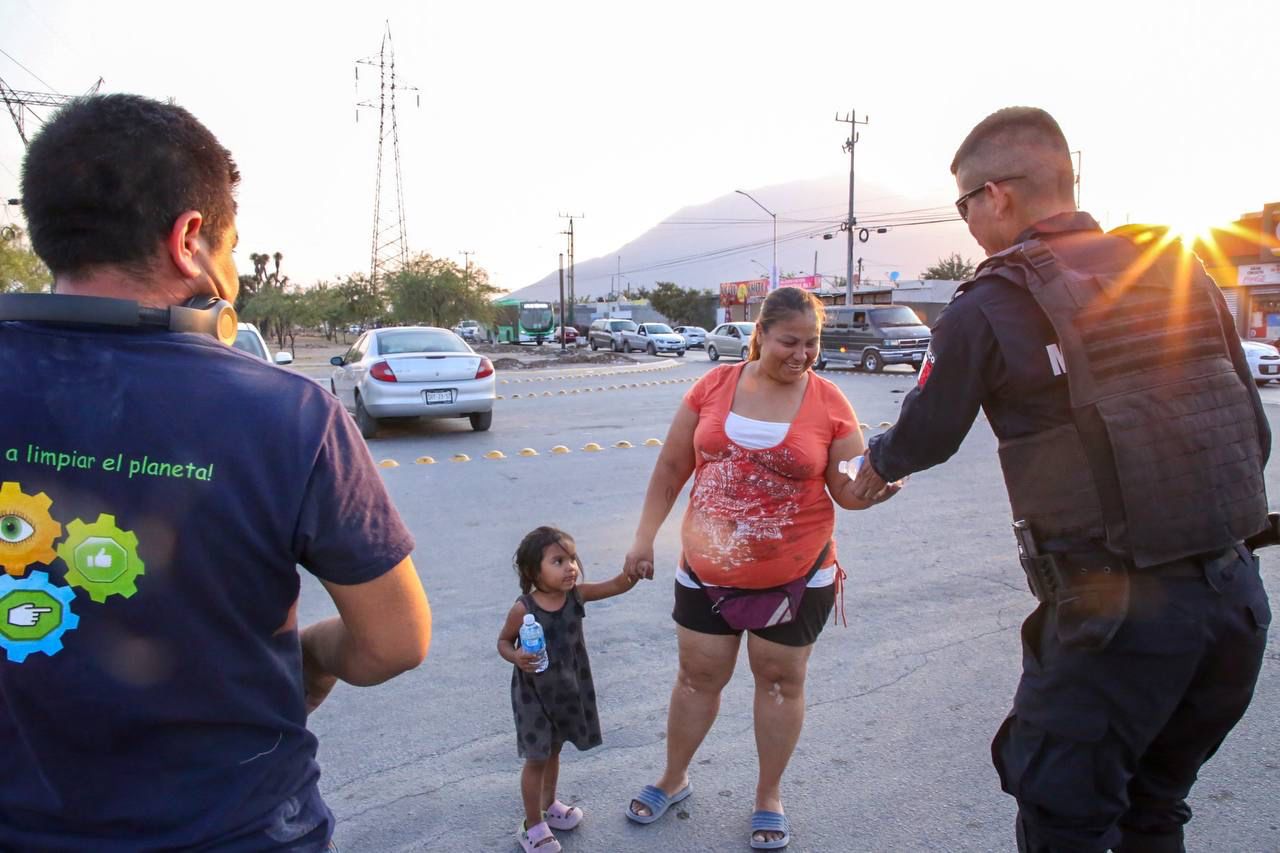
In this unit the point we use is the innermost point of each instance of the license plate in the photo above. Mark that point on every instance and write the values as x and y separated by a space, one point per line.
1270 368
917 358
439 396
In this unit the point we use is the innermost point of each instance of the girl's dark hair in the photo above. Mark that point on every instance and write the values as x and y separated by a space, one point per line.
528 558
779 305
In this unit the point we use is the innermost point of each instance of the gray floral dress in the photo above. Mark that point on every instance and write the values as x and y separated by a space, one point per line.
557 705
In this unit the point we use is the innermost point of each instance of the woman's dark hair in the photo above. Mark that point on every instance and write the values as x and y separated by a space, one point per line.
779 305
105 179
528 558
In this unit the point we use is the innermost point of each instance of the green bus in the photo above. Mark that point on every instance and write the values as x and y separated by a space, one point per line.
524 322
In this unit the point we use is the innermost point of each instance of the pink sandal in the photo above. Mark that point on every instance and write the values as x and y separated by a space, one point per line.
537 839
562 817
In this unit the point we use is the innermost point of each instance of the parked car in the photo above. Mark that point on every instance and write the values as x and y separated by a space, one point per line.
569 333
468 330
608 332
653 338
250 340
695 337
1264 361
871 336
730 339
413 371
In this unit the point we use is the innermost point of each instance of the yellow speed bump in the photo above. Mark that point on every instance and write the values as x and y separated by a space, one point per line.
547 394
624 444
528 451
562 392
505 381
885 425
425 460
592 447
494 454
559 449
864 426
388 463
461 457
653 442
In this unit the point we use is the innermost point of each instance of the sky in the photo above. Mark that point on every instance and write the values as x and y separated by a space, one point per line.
628 112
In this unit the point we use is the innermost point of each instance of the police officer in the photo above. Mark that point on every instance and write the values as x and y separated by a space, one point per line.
1132 442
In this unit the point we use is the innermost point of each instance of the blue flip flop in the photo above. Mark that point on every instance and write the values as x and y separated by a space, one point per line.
657 801
763 821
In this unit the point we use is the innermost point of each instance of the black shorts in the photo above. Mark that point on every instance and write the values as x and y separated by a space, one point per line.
693 611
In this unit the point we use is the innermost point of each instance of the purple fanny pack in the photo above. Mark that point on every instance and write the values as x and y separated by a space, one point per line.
753 609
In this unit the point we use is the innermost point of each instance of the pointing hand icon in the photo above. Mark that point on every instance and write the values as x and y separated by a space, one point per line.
27 615
100 560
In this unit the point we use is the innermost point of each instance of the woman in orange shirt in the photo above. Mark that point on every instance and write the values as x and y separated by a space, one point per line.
762 440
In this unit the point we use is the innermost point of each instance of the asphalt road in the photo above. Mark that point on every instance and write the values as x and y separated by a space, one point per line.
901 704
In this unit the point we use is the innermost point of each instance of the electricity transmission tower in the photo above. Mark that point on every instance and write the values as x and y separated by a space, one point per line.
21 104
390 246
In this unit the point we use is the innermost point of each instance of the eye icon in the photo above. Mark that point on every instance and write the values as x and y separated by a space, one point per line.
15 529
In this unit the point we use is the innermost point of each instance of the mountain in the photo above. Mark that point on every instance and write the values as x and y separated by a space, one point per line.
705 244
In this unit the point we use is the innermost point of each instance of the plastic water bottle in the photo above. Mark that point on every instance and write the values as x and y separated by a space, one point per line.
533 641
850 467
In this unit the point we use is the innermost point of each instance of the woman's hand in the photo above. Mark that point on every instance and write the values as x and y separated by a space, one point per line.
638 563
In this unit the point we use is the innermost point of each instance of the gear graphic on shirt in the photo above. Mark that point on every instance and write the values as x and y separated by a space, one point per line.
27 530
101 558
34 614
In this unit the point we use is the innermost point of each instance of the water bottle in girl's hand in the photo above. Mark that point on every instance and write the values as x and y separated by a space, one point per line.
533 641
850 467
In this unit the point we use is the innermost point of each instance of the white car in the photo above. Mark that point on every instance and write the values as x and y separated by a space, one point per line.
413 371
694 336
250 340
1264 361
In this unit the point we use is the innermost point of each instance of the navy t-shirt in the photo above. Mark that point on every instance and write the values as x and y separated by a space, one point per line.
157 492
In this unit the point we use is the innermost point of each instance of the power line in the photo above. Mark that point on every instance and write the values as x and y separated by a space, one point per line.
29 71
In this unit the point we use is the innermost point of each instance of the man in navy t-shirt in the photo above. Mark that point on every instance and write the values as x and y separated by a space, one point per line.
157 491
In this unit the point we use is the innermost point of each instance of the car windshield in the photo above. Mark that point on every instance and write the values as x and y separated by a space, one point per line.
746 328
536 317
247 341
419 340
898 315
658 328
623 326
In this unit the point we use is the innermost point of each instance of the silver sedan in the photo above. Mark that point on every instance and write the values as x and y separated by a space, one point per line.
413 371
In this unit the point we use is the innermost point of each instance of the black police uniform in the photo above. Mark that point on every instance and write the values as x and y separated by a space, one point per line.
1141 656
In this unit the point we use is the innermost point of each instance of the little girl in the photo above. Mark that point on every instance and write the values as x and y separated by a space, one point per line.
559 703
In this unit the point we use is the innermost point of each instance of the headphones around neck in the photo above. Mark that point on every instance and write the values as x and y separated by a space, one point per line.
207 315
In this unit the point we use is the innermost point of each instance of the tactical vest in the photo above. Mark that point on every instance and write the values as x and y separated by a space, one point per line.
1163 459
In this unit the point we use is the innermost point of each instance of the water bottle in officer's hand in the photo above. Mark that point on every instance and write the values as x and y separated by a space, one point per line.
533 641
850 467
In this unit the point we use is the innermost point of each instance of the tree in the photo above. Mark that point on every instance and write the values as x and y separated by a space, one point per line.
951 268
683 306
21 270
436 291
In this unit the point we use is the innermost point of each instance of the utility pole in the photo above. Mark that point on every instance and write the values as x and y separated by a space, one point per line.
389 249
562 335
467 275
850 144
571 217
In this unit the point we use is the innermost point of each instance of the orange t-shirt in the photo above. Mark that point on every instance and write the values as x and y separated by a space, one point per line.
759 518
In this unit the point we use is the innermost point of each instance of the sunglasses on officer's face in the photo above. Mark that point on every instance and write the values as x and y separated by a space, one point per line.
962 203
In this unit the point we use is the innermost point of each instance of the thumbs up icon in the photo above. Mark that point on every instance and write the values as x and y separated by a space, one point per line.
100 560
26 615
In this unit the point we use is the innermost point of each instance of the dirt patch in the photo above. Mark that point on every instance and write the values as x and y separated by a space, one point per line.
530 361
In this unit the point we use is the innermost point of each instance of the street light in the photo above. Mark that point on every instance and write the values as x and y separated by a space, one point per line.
773 278
762 266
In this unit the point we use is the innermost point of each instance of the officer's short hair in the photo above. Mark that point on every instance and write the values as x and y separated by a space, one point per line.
105 179
1023 141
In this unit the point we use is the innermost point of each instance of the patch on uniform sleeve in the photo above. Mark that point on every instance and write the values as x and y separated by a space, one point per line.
926 367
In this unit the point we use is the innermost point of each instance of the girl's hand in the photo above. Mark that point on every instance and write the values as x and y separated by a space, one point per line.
639 561
527 661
